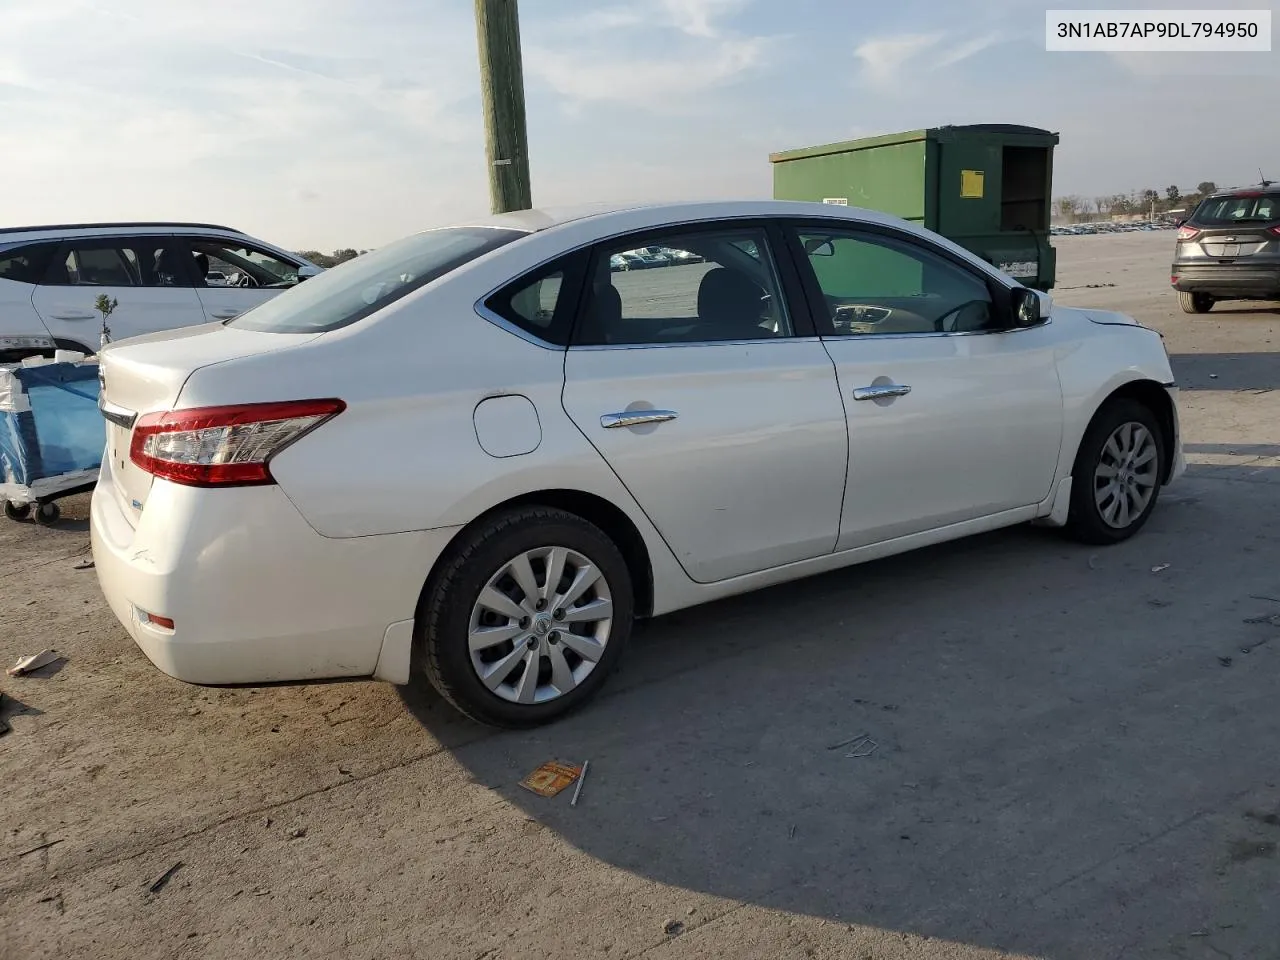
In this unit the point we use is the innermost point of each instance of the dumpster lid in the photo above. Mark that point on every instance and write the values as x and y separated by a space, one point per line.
912 136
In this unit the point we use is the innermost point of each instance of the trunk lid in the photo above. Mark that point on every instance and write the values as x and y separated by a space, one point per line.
146 375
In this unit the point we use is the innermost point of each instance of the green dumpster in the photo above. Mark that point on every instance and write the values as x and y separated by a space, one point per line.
986 187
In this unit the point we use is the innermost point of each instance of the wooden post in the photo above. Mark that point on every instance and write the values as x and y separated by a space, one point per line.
502 94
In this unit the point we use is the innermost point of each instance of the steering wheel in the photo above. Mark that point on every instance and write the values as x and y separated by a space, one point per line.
954 314
247 280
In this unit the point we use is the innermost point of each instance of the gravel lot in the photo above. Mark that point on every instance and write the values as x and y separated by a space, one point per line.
1076 754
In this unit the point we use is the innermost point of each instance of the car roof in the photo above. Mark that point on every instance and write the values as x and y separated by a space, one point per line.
61 230
623 217
1268 189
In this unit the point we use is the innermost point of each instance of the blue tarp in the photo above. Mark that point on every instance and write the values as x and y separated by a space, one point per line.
50 428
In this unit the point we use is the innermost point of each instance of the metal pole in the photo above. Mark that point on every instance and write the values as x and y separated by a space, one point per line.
502 95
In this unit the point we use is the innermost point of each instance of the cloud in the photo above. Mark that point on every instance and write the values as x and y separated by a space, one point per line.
687 50
893 60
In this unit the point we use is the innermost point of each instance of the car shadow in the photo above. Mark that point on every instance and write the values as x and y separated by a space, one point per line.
986 741
1226 371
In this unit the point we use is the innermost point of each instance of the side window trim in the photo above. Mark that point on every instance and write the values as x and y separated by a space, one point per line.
788 281
1000 294
572 266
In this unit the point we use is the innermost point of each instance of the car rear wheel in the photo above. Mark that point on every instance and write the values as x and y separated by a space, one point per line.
1194 302
526 618
1116 478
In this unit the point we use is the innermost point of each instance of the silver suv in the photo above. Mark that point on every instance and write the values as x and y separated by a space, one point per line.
1229 249
161 275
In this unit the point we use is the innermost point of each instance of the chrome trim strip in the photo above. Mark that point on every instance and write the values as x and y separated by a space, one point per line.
634 418
118 415
693 343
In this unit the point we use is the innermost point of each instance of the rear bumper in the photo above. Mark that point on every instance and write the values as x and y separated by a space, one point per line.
254 593
1228 280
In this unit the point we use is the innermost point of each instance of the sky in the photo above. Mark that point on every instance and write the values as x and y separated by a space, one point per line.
335 123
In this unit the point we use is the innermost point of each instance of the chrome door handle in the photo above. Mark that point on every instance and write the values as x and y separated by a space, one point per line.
878 393
226 314
634 418
73 315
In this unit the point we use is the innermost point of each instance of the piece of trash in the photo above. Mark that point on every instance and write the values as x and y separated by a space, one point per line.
1253 646
673 928
658 819
1093 562
267 821
87 565
845 743
33 662
344 771
165 878
37 849
1273 619
1159 566
260 891
581 779
1199 933
550 778
1225 661
1213 376
864 749
1159 603
297 833
912 786
193 712
791 834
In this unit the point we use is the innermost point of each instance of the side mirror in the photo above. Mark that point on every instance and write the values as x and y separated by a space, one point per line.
1026 307
307 271
819 247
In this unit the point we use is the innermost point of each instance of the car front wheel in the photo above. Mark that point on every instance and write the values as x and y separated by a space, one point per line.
526 617
1116 478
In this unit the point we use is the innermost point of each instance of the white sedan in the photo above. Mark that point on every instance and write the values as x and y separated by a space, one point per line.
480 453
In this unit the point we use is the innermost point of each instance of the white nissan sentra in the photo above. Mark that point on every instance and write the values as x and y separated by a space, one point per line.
481 453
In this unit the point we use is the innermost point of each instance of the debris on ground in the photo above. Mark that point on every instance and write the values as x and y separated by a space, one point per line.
1159 566
673 928
87 565
165 878
1160 603
1225 661
33 662
193 712
791 834
845 743
581 778
1249 648
865 748
297 833
550 778
1273 619
37 849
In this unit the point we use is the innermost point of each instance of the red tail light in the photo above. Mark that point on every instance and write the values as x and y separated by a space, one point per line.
224 446
1275 230
1188 233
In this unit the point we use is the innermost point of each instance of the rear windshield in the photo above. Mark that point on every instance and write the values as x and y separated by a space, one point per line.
1224 211
368 283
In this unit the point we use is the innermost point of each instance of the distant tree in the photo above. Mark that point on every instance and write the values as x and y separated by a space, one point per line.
1173 194
1069 207
342 256
1121 204
1206 187
318 258
1102 205
1149 196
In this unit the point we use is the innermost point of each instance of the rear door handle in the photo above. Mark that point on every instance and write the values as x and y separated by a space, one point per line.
882 391
226 314
73 315
634 418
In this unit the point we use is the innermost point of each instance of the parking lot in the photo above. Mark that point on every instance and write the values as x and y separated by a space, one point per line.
1074 750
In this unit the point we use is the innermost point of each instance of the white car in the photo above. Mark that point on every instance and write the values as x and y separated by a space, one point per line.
161 275
470 453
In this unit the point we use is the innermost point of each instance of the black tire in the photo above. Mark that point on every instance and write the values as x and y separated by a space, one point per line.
444 612
1194 302
47 514
17 511
1085 521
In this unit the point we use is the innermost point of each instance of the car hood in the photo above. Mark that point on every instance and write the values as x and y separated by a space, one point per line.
1109 318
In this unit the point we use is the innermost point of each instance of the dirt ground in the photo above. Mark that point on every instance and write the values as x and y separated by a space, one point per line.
1076 751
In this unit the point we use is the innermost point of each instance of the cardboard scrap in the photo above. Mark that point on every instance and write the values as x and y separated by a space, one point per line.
550 778
33 662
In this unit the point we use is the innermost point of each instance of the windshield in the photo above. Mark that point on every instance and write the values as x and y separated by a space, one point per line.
368 283
1246 208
